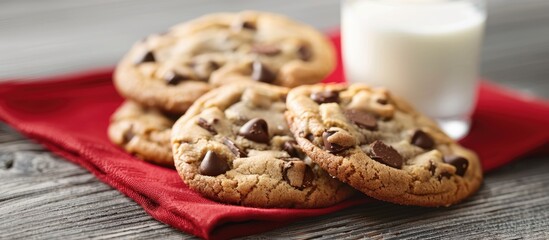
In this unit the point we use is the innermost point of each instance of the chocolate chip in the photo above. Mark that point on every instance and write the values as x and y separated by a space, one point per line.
310 137
212 165
290 148
422 140
385 154
147 56
432 168
460 163
362 118
261 73
268 50
173 78
203 123
241 25
234 149
256 130
304 53
382 101
172 116
444 175
214 65
128 136
325 97
248 25
332 147
298 174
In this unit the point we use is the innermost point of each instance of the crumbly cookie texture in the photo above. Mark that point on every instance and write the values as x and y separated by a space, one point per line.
378 144
172 69
143 132
234 146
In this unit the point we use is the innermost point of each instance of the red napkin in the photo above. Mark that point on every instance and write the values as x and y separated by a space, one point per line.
70 115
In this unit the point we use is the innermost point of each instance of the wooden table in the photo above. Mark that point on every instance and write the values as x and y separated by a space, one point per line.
43 196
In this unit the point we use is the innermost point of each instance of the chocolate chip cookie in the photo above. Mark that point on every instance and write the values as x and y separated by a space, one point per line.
171 70
233 145
143 132
378 144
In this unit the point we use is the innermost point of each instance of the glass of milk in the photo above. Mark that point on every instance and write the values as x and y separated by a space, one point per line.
426 51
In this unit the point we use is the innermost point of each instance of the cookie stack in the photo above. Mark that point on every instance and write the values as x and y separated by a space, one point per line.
220 99
164 74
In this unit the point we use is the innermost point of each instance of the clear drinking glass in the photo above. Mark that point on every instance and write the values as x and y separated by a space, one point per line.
426 51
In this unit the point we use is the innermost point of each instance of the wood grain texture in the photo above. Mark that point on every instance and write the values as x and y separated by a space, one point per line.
43 196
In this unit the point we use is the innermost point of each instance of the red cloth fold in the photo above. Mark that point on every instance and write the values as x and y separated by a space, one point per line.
69 115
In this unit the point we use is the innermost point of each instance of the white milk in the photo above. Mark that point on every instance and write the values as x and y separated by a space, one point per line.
423 50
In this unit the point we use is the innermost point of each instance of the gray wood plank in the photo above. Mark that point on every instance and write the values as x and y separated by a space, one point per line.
45 197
